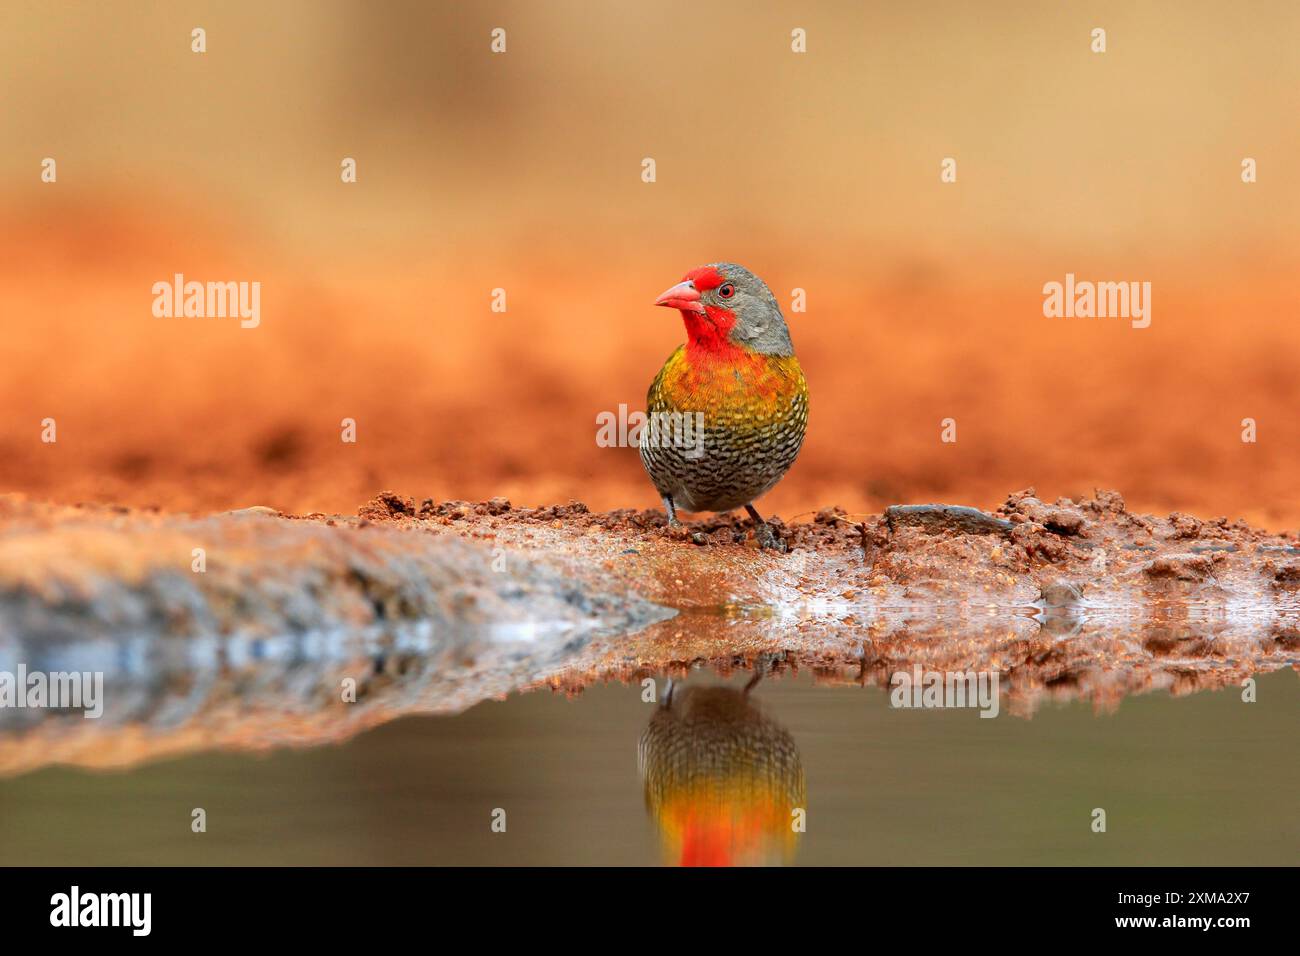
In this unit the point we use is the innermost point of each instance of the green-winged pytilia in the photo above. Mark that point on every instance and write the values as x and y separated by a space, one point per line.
735 391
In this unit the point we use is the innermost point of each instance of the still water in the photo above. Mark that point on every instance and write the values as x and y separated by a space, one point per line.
786 771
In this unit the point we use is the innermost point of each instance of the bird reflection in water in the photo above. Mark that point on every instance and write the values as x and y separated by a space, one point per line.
723 782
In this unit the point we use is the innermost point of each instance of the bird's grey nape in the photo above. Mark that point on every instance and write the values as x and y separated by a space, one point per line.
767 334
761 326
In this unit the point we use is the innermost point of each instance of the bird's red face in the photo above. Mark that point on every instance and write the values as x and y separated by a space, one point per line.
697 288
730 314
702 298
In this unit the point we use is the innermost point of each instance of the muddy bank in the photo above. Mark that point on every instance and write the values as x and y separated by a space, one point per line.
77 573
486 565
431 607
1085 553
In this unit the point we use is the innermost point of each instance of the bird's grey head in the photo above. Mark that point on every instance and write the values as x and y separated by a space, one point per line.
725 301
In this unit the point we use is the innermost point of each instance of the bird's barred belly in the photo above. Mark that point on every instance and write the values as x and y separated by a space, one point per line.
730 462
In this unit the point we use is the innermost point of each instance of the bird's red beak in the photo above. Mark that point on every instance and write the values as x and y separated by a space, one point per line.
682 296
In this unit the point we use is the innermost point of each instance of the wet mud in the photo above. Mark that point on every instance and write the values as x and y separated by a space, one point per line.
309 629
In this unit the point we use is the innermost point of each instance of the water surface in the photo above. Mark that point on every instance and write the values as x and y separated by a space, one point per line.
1199 779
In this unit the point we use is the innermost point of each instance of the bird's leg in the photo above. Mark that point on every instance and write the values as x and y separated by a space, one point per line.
696 536
672 512
764 533
763 665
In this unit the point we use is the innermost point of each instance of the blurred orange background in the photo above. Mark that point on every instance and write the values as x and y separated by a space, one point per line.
522 171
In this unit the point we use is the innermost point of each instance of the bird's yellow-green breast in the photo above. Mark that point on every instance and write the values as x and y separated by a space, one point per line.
746 390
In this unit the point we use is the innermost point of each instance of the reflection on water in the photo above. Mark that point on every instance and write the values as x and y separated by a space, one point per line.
165 699
1200 779
723 781
1149 721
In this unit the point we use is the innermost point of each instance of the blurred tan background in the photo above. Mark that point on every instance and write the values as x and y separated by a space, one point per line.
522 171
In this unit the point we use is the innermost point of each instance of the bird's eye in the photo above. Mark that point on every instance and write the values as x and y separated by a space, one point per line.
726 290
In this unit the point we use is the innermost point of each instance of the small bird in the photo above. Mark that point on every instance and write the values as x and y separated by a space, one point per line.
726 414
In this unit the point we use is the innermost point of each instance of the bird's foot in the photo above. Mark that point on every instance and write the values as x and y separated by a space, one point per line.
765 534
768 539
677 531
